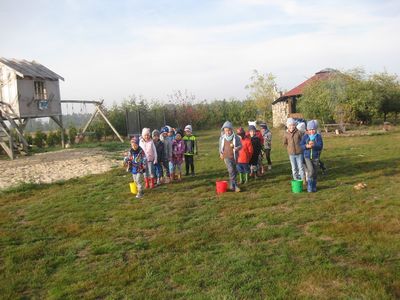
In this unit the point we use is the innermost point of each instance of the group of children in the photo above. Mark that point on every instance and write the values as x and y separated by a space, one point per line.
304 146
153 155
161 153
243 152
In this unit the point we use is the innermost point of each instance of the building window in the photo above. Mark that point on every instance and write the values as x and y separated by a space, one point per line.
40 91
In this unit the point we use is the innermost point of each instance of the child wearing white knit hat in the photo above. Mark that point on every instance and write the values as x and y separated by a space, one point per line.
147 144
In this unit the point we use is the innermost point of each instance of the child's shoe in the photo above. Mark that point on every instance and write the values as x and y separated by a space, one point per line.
139 195
179 176
158 181
270 167
237 189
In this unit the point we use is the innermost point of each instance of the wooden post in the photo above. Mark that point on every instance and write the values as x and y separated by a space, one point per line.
109 123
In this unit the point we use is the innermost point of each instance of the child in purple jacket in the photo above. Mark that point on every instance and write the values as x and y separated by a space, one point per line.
178 150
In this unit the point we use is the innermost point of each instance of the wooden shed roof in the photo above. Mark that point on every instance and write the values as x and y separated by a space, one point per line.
30 69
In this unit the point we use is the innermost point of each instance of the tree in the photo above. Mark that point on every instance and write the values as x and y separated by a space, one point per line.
263 92
386 91
326 100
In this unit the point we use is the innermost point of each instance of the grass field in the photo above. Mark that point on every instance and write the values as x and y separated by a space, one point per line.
90 238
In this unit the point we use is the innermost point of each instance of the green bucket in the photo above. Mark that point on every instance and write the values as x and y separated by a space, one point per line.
297 186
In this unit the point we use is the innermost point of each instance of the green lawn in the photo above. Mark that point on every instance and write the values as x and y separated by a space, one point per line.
90 238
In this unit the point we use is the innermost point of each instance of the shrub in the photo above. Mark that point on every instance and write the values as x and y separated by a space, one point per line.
39 139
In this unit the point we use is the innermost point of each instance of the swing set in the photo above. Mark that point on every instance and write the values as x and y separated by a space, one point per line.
99 109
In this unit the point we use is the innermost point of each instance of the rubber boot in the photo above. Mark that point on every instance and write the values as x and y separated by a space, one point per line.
240 178
246 177
314 185
179 176
147 183
310 183
151 180
158 180
172 177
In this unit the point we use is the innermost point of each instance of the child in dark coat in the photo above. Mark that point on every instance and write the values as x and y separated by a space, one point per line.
312 146
257 146
160 155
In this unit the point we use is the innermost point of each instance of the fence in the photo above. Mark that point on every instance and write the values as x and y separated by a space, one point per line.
136 120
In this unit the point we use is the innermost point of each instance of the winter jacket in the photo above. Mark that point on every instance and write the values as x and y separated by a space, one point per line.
245 153
257 146
315 151
292 140
136 160
149 149
167 148
190 144
267 139
237 145
178 149
160 151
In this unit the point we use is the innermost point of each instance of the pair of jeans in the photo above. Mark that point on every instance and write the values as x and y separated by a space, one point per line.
149 170
296 160
159 170
312 168
231 166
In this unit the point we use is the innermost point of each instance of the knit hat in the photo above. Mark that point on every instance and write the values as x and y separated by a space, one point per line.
313 124
290 121
240 132
227 124
145 131
252 128
301 127
135 139
180 132
188 128
164 129
155 132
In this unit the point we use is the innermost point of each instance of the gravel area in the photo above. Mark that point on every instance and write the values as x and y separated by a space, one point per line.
54 166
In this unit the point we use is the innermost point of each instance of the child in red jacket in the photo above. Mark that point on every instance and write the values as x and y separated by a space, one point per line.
244 156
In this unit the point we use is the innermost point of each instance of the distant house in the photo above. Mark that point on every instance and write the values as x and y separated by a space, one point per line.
286 105
30 89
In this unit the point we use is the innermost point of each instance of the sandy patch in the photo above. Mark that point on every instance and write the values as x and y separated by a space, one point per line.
54 166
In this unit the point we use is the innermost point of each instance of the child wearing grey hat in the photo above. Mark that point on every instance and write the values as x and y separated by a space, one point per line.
312 145
229 146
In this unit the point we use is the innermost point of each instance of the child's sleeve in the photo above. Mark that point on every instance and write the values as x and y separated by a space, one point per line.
318 145
303 142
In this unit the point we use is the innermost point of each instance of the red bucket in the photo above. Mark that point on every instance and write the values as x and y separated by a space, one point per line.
222 186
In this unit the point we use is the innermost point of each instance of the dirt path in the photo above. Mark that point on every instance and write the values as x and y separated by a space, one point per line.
53 166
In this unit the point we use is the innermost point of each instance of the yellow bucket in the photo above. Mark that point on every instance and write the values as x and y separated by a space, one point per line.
133 187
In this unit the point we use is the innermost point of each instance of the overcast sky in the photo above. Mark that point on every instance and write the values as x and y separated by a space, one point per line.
113 49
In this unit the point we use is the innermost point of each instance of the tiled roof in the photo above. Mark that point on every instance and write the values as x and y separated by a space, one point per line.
298 90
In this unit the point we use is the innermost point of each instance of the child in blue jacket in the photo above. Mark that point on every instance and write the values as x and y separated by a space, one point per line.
312 145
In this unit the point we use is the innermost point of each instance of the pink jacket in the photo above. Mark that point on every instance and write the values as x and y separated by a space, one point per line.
149 149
